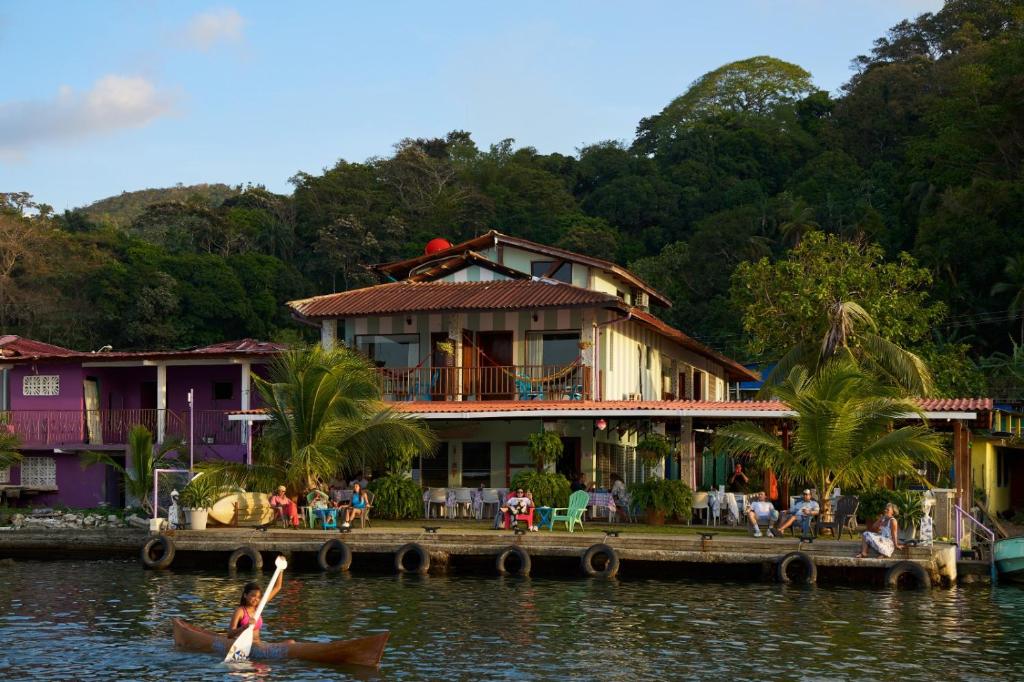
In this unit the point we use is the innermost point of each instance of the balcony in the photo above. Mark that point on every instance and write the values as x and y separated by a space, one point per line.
54 428
512 382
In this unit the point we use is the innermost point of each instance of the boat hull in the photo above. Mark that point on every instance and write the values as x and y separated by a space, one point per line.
1009 557
364 651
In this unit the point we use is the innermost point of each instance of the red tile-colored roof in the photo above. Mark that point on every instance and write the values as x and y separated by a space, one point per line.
410 297
956 404
401 269
17 346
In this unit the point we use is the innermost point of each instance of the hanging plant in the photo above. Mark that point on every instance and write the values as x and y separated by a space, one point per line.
653 448
585 344
446 347
545 448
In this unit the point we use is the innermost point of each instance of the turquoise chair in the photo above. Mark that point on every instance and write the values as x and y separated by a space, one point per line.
572 514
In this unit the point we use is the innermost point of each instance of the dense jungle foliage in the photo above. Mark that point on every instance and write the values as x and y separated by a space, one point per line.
912 171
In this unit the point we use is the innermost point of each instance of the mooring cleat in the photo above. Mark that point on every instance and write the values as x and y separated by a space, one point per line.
430 529
706 536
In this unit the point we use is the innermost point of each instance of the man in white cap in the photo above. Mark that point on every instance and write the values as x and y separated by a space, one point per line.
803 511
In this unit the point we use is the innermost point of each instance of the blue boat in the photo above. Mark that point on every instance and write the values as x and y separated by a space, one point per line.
1009 557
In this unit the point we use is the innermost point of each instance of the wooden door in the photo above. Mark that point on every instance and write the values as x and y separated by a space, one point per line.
497 375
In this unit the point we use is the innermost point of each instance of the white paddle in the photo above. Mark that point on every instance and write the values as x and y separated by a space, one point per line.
239 650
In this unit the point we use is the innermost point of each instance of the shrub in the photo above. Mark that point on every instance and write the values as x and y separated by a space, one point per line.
550 490
659 494
545 448
396 497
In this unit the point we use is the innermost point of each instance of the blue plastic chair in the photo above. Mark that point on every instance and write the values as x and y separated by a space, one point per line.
526 390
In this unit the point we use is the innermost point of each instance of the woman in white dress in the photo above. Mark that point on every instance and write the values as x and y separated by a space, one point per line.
886 540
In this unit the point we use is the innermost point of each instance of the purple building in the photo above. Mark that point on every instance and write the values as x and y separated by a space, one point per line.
62 402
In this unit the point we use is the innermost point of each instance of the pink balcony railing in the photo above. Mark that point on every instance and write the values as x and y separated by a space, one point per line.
84 427
519 382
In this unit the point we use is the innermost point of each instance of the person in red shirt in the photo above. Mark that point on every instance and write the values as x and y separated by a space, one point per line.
285 507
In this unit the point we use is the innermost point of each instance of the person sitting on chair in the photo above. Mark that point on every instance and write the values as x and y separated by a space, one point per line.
286 509
579 484
762 511
519 504
803 511
360 501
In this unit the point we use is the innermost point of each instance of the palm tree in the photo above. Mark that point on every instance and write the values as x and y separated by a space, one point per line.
844 431
137 473
797 221
326 417
851 333
9 444
1014 272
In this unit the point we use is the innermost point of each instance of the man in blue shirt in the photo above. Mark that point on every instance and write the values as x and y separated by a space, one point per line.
803 511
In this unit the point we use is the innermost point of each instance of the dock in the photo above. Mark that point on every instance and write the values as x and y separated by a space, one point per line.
700 553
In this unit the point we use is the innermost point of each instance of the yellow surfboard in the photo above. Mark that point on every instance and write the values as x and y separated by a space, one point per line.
253 509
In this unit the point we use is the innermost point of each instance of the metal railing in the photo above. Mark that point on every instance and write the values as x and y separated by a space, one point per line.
499 382
960 515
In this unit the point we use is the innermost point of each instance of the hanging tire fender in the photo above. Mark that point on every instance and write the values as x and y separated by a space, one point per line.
611 568
799 559
520 553
323 557
158 552
246 552
420 551
893 574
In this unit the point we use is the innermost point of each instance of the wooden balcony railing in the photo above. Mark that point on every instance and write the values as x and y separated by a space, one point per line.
518 382
84 427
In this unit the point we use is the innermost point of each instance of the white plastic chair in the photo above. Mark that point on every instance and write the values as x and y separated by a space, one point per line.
701 504
439 497
489 501
463 502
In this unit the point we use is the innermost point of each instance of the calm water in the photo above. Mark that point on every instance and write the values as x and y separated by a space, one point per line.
109 621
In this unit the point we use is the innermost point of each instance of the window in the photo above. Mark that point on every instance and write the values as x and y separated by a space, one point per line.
223 390
5 475
392 350
476 464
553 348
540 268
41 384
435 469
519 458
39 472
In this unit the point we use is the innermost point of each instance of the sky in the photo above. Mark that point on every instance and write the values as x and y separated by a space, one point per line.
99 98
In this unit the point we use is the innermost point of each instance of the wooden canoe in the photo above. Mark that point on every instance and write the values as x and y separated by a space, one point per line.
253 509
365 651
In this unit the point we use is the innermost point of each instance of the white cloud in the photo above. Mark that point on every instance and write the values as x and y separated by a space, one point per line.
113 103
208 29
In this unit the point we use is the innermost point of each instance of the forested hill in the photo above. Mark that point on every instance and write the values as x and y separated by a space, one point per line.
919 154
122 209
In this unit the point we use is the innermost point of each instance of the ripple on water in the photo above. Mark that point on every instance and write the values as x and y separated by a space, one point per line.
453 628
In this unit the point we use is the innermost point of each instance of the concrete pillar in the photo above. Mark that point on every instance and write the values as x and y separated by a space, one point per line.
161 402
246 400
687 454
328 334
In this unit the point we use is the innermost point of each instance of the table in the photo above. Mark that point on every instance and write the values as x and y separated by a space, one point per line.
544 517
606 500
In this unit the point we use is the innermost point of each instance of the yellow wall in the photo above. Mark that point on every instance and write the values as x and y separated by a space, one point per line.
984 474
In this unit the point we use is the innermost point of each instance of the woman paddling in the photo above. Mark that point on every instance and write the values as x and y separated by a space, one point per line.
244 613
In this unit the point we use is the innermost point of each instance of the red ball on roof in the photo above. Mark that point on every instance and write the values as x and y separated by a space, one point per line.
436 244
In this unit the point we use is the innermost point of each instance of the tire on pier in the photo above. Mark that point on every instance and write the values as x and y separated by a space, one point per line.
907 574
423 558
611 565
246 553
522 556
158 552
793 562
330 549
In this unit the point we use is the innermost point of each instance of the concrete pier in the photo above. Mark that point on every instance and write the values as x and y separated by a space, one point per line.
664 555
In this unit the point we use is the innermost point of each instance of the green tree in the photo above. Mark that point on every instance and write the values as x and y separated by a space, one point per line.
326 419
845 432
143 459
831 296
9 449
1014 285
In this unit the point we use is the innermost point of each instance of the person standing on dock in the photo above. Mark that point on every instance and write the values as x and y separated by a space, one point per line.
738 481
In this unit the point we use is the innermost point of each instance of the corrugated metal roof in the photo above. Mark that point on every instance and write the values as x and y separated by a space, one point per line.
224 349
12 345
409 297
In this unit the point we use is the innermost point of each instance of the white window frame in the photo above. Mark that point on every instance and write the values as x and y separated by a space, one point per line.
5 474
39 472
40 385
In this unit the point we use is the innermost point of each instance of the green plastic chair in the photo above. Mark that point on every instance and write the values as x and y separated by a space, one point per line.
573 514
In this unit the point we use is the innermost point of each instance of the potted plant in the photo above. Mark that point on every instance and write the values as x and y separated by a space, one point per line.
448 349
660 498
911 506
653 448
196 499
545 448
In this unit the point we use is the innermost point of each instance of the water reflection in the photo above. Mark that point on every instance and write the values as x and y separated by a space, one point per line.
114 618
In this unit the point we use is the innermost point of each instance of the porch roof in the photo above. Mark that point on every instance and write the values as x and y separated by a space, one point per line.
934 408
435 297
240 348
